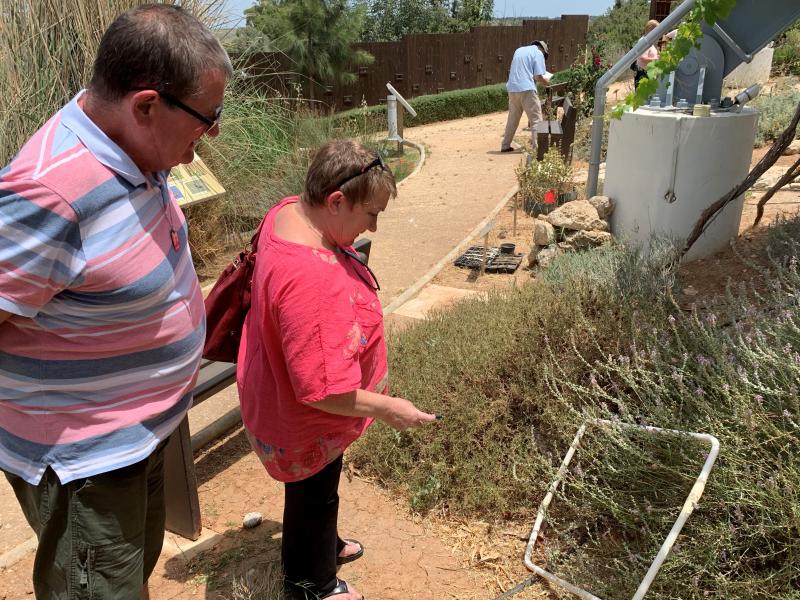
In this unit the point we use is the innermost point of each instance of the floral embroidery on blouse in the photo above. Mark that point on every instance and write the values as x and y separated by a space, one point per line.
324 256
293 465
354 339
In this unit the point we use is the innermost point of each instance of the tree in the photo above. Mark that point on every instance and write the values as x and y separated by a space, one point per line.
620 27
469 13
388 20
317 37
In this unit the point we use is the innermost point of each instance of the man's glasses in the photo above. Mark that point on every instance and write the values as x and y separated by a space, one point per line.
209 122
378 162
372 284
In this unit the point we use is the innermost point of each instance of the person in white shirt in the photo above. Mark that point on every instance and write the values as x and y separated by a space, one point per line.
527 69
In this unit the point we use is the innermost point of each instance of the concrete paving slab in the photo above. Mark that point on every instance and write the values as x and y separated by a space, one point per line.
432 297
179 547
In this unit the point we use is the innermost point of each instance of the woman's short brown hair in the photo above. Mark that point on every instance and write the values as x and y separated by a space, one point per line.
343 160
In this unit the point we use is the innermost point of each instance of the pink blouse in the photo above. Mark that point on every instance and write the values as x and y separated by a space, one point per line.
315 328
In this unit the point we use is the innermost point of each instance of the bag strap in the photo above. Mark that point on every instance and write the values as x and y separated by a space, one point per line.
257 234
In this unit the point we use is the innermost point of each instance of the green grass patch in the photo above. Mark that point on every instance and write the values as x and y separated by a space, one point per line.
775 113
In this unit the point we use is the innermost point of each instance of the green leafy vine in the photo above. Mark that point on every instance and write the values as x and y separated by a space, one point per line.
688 37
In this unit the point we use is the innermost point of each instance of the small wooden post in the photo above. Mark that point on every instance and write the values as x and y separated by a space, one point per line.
516 202
485 233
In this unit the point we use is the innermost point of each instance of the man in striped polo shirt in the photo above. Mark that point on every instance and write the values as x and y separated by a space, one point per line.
101 315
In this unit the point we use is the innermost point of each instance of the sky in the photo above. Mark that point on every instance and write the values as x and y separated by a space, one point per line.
502 8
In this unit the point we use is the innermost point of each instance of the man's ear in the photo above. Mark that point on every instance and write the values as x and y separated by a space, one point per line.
142 105
334 202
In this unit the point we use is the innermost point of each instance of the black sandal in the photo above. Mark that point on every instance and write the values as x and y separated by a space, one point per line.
343 560
341 588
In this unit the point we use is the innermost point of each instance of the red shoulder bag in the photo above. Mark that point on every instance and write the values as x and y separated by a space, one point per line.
227 305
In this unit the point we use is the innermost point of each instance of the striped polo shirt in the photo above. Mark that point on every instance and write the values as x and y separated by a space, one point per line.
99 357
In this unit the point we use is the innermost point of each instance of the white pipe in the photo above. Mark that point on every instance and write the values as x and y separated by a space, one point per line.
612 75
688 507
391 118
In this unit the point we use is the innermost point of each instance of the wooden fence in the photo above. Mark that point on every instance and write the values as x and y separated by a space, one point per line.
660 9
422 64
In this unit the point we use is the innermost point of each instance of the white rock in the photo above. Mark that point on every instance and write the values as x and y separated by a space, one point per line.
794 148
252 519
603 205
547 255
533 255
576 215
581 240
543 233
600 225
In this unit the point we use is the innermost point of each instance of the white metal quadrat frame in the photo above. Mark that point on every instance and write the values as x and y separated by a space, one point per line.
688 506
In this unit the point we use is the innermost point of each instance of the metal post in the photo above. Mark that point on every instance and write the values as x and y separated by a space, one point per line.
399 131
612 75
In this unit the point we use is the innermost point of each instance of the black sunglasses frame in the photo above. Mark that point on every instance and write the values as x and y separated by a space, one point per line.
187 109
378 162
374 285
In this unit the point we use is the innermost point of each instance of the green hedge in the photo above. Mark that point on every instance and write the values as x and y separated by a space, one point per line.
432 108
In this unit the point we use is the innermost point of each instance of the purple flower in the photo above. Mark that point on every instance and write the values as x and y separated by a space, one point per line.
703 360
671 320
786 413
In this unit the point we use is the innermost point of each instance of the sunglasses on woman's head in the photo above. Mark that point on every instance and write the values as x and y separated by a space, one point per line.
378 162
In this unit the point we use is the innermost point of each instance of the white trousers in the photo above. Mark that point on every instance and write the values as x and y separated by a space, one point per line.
519 102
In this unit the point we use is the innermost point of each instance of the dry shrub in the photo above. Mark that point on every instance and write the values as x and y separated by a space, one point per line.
535 178
517 374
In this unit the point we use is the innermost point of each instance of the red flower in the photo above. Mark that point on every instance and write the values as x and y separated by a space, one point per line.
550 197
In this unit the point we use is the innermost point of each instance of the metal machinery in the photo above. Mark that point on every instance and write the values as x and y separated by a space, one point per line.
667 162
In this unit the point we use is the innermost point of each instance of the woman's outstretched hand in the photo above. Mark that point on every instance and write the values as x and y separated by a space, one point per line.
401 414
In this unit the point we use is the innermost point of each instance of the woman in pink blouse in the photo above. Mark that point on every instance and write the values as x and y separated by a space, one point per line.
649 55
312 368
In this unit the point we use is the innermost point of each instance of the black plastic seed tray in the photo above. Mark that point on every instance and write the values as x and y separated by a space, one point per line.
504 263
473 257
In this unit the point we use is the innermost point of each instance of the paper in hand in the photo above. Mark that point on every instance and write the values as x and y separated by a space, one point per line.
548 76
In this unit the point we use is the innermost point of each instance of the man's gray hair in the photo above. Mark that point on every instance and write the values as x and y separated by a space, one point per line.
159 47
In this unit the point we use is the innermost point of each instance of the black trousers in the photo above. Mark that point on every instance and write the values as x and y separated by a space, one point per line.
310 539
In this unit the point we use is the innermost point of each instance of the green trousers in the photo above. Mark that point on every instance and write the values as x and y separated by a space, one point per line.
99 537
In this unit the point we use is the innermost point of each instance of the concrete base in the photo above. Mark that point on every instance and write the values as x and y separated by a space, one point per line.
433 297
178 547
757 71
